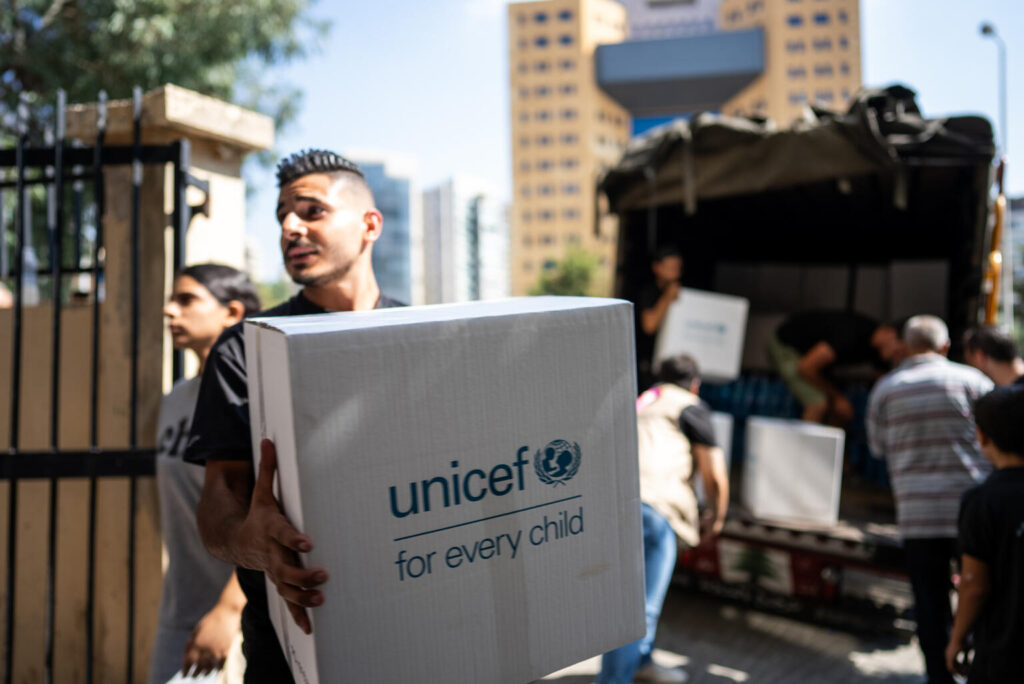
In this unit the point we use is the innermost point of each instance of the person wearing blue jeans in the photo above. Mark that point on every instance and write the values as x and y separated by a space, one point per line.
674 432
619 666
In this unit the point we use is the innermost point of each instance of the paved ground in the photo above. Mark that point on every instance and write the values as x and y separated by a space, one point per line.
720 643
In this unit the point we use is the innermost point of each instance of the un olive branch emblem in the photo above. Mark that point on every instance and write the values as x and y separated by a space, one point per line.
558 462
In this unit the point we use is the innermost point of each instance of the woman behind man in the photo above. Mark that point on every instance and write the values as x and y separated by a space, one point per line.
201 604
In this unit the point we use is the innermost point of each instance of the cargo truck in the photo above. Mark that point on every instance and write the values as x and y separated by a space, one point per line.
877 210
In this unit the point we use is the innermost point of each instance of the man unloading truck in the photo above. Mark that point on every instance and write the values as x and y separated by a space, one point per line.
652 306
808 347
328 226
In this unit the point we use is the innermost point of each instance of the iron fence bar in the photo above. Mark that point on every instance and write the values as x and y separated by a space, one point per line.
77 186
12 495
98 258
133 407
180 219
34 465
56 230
4 266
41 157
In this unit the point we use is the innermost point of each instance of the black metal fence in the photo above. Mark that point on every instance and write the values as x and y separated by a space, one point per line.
53 253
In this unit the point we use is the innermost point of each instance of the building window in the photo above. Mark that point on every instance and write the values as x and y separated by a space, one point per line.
571 189
822 69
540 41
541 66
523 117
846 94
824 96
821 18
795 46
823 44
544 165
797 98
543 140
524 166
570 214
520 18
570 139
796 72
546 190
568 114
565 39
545 215
734 16
526 217
572 238
755 6
525 191
842 17
527 241
542 91
527 266
844 68
565 15
567 89
522 43
844 43
541 17
550 264
524 93
524 142
542 115
570 163
522 68
795 20
567 65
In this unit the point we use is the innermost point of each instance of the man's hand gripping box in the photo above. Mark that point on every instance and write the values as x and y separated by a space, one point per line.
468 475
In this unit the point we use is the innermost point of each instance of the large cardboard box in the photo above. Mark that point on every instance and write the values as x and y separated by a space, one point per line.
468 475
708 326
793 471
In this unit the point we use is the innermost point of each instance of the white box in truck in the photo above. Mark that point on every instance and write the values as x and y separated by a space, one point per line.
793 471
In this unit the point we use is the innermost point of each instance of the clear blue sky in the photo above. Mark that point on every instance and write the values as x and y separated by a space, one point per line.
430 80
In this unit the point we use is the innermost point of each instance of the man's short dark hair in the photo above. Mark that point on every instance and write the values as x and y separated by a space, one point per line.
226 284
681 369
991 341
997 414
666 251
305 162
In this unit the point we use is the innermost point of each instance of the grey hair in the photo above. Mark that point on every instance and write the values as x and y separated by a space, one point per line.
926 333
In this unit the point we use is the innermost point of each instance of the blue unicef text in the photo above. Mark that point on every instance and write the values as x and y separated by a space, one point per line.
454 488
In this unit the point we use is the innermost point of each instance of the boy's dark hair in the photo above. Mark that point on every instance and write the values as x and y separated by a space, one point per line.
305 162
998 415
991 341
666 251
226 284
680 369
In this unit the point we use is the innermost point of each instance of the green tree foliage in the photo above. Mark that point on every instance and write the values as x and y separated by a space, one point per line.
219 48
274 293
573 276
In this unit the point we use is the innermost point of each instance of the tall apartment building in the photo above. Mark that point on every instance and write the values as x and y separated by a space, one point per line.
565 132
587 74
812 55
465 242
398 253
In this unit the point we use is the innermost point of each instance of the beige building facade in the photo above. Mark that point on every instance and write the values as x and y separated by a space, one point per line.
812 55
565 132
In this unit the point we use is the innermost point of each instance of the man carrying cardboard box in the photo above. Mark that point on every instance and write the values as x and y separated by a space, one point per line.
328 227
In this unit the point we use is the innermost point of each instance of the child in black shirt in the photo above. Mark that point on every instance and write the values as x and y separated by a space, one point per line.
991 593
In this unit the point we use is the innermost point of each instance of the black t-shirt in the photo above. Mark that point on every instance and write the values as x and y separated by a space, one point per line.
992 530
695 423
1019 381
220 432
848 333
647 300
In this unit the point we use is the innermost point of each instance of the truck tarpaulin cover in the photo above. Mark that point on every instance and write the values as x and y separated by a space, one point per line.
715 156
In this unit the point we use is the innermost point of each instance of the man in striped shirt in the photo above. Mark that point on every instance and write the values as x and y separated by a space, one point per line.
920 420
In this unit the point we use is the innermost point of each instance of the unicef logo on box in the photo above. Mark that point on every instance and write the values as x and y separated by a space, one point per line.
558 462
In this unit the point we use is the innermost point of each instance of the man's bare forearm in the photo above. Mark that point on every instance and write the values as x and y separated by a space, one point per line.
222 510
